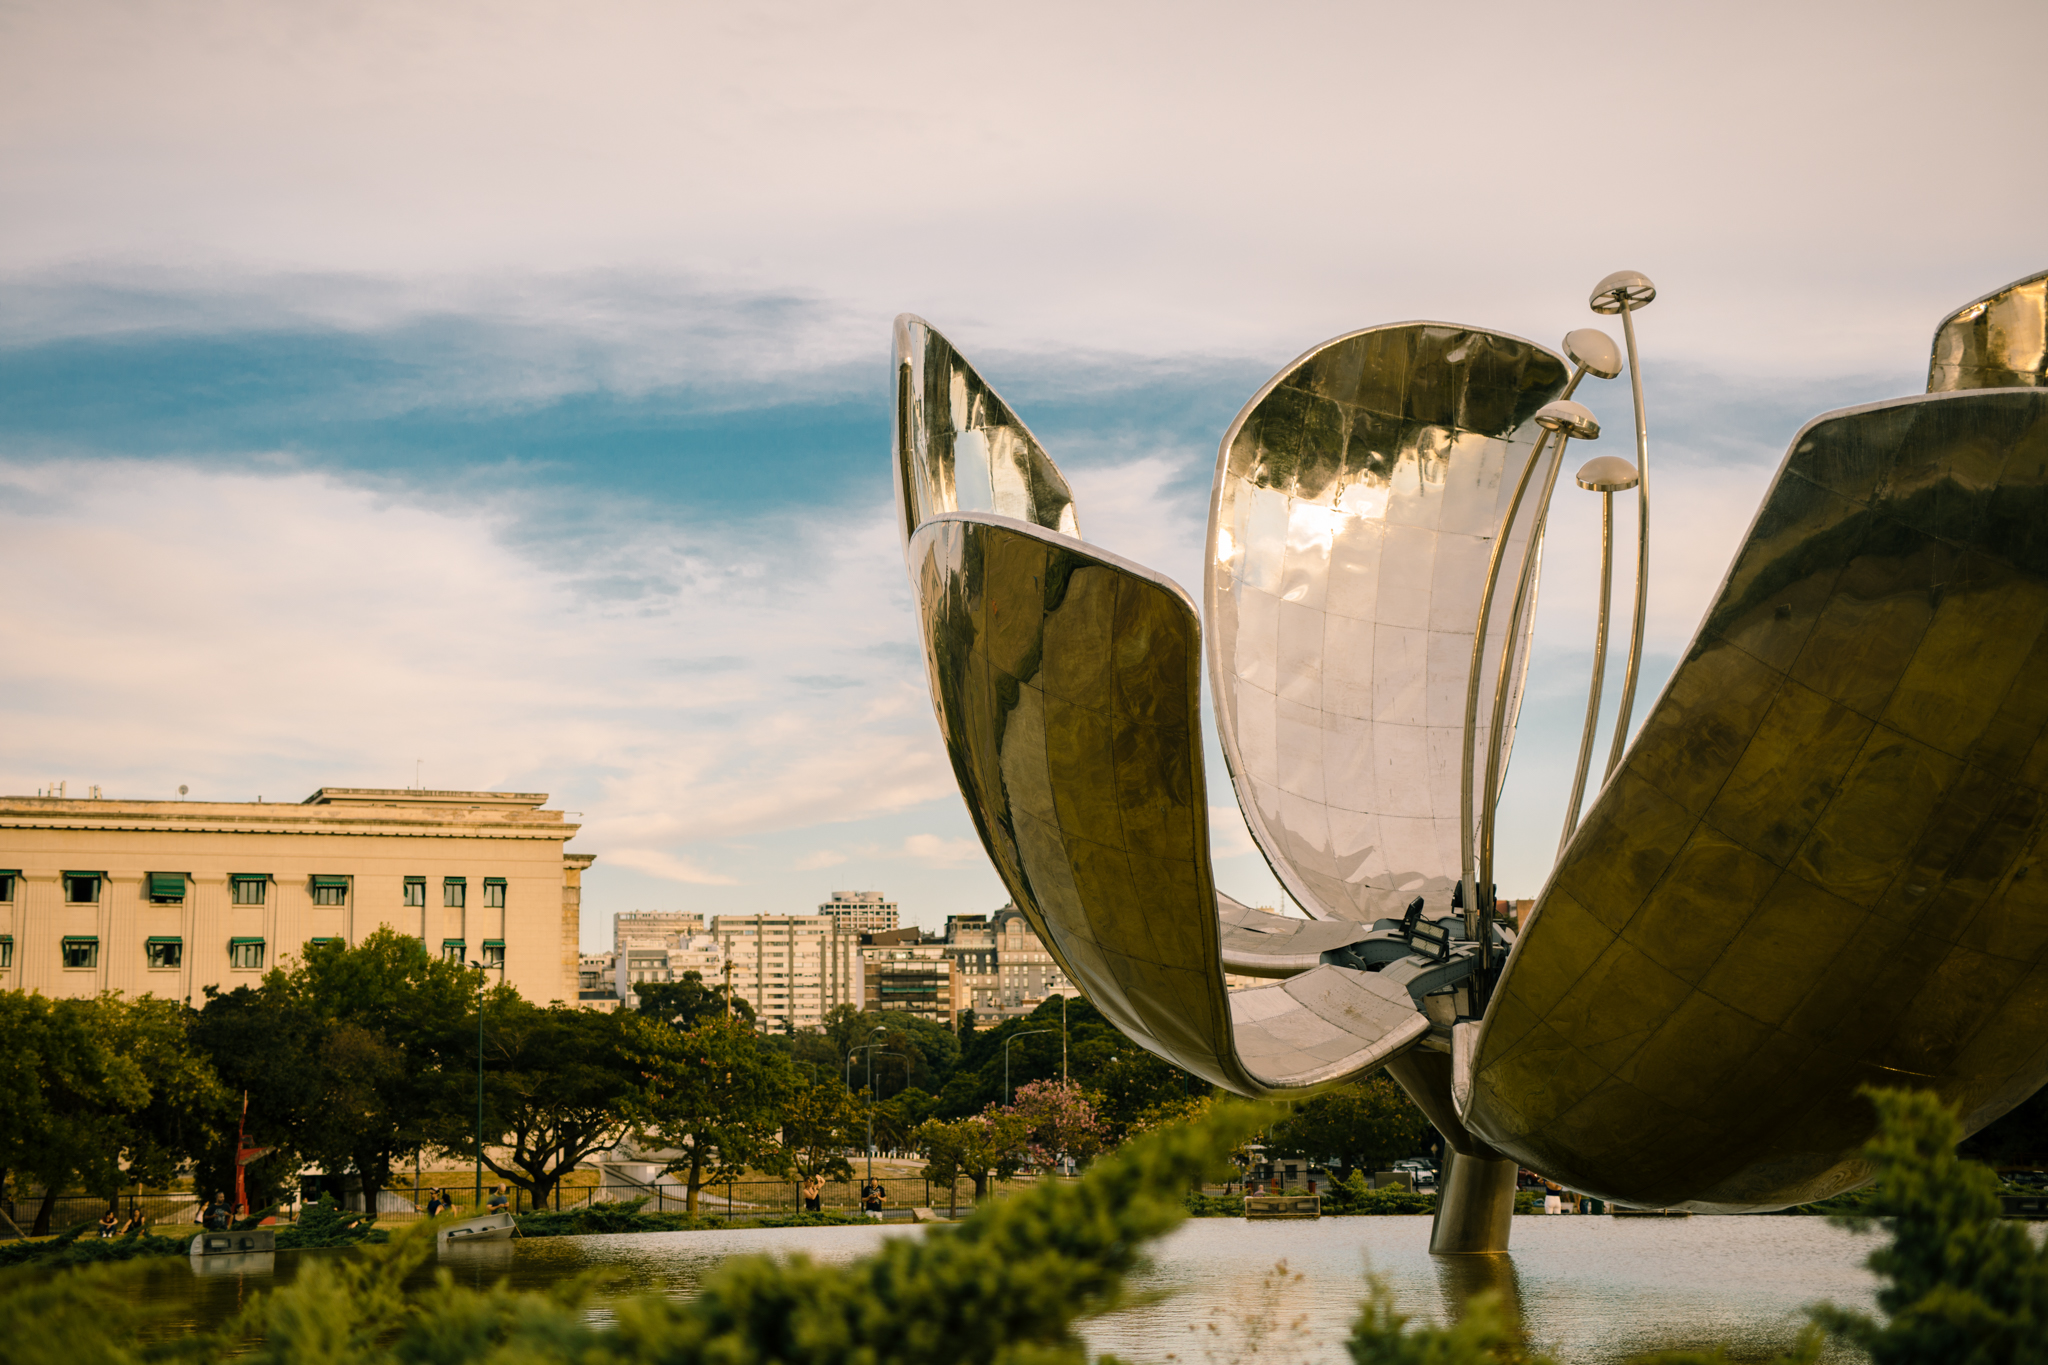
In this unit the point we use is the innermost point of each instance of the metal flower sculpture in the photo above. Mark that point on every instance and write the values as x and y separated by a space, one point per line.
1809 871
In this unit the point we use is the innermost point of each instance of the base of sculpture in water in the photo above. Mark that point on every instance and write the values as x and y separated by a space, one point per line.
1475 1206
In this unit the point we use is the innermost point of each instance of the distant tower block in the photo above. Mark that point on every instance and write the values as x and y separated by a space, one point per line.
861 912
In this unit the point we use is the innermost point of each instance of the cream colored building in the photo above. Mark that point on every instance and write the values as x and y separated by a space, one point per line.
791 968
170 897
861 912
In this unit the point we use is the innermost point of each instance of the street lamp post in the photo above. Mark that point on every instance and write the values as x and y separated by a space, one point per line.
1026 1033
482 977
869 1048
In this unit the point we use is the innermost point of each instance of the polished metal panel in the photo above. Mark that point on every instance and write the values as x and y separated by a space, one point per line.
1997 342
1821 863
958 446
1475 1206
1067 689
1356 502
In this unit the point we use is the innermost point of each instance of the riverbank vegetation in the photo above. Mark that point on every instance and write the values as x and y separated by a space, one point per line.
1010 1285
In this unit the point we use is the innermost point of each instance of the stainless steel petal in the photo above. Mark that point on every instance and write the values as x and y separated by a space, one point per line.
959 447
1821 863
1998 342
1355 503
1067 689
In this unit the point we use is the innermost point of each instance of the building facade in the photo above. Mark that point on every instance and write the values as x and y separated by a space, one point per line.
977 986
637 965
862 912
653 928
902 970
1026 974
792 969
170 897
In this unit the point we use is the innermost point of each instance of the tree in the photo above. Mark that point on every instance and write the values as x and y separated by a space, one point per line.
1960 1282
979 1147
102 1091
559 1084
260 1044
818 1126
1371 1123
373 1028
899 1115
1058 1121
689 1002
717 1096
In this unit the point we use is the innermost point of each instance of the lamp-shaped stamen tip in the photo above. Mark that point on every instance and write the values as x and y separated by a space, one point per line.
1607 474
1573 419
1623 289
1594 350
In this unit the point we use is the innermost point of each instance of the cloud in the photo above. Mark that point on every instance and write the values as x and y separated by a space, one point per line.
245 633
1229 837
933 851
817 862
667 866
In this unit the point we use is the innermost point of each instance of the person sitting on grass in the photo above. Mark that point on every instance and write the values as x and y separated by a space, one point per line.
110 1223
497 1200
136 1226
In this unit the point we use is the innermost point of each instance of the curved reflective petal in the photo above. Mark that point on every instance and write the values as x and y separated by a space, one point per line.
958 446
1356 501
1998 342
1811 872
1066 685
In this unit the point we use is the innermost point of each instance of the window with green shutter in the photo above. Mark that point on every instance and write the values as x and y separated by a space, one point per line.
83 888
8 877
494 893
164 952
80 952
6 951
166 888
249 887
245 954
453 949
330 890
494 952
454 892
416 891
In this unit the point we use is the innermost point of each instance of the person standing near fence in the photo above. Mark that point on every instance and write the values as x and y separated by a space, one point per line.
814 1194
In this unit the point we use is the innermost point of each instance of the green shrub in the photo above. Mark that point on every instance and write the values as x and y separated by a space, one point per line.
72 1249
1214 1205
324 1225
1353 1195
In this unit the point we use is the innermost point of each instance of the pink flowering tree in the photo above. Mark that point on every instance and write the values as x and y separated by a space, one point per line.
1058 1120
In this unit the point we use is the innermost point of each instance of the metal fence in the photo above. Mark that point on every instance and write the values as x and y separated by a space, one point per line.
71 1210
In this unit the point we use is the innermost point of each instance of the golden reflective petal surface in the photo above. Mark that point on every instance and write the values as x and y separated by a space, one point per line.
959 448
1820 865
1998 342
1356 501
1067 688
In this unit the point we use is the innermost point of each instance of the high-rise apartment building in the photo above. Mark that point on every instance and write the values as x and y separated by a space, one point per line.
792 969
636 965
977 986
861 912
653 928
903 970
1025 970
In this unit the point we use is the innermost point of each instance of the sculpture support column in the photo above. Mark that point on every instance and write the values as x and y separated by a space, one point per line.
1475 1205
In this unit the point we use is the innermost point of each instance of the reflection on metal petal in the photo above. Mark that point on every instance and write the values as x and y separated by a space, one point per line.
1066 685
1356 500
1811 872
1998 342
958 446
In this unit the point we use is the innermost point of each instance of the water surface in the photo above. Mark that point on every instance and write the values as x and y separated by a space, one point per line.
1593 1290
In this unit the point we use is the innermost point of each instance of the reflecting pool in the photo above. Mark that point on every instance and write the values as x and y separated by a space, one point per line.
1594 1290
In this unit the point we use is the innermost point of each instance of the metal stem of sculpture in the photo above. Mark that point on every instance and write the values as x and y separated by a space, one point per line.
1605 475
1563 419
1591 352
1623 292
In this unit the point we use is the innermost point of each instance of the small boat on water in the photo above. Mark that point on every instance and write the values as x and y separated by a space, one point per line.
488 1227
243 1242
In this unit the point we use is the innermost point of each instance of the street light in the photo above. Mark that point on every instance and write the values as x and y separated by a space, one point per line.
1026 1033
482 978
869 1048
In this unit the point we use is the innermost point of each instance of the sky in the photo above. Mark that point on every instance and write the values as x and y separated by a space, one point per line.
494 396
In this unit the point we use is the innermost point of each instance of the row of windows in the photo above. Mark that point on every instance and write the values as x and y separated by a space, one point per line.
250 888
81 952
